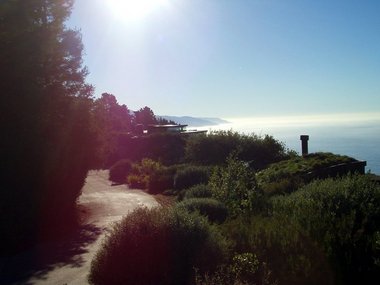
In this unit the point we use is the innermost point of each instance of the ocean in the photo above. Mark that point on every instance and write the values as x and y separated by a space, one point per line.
355 135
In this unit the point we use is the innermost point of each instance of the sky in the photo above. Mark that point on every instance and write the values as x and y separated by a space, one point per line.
234 58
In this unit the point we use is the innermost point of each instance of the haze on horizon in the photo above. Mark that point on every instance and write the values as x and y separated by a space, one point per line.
221 58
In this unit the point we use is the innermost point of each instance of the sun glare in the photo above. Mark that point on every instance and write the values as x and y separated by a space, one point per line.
134 10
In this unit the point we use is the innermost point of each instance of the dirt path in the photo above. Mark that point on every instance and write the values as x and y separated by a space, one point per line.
68 262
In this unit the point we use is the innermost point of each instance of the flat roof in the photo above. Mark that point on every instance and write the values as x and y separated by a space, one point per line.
166 126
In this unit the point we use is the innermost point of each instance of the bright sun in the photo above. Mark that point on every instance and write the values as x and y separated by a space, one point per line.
134 10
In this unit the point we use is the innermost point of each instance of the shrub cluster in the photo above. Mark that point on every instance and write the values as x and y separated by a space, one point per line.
213 209
288 175
140 173
161 180
191 175
285 254
196 191
215 148
343 217
235 186
158 246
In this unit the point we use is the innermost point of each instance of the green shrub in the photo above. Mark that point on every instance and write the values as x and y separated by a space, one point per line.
245 266
158 246
217 146
235 186
140 173
120 170
137 181
196 191
343 216
244 269
190 176
213 209
284 253
288 175
282 186
160 180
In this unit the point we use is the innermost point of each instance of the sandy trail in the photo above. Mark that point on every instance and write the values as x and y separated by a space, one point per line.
68 262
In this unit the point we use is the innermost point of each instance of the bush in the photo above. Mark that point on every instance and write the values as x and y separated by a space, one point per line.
343 216
288 175
140 173
137 181
285 254
160 180
196 191
158 246
282 186
217 146
214 210
120 170
190 176
245 269
235 186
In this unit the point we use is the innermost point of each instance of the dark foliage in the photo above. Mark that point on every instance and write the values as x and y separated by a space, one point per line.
191 175
158 246
290 257
48 139
145 117
161 180
111 121
196 191
213 209
343 217
216 147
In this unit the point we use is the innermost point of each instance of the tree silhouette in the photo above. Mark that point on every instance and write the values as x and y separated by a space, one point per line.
145 116
111 120
45 106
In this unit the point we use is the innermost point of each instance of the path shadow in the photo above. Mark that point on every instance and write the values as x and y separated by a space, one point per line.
41 259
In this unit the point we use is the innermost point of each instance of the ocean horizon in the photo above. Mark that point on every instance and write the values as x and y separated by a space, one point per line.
355 135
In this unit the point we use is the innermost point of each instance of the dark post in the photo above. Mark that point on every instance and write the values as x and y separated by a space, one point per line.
305 147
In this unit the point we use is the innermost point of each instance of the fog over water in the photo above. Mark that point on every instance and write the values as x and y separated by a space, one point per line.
356 135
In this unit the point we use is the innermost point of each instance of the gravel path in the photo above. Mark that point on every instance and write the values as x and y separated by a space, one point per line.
68 262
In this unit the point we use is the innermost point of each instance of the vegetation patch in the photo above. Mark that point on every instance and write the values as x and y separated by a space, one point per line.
288 175
235 186
191 175
213 209
343 217
196 191
217 146
158 246
285 255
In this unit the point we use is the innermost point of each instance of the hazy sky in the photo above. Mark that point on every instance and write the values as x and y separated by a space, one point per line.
234 58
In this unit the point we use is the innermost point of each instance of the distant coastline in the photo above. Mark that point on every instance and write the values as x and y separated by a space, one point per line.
195 121
356 136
